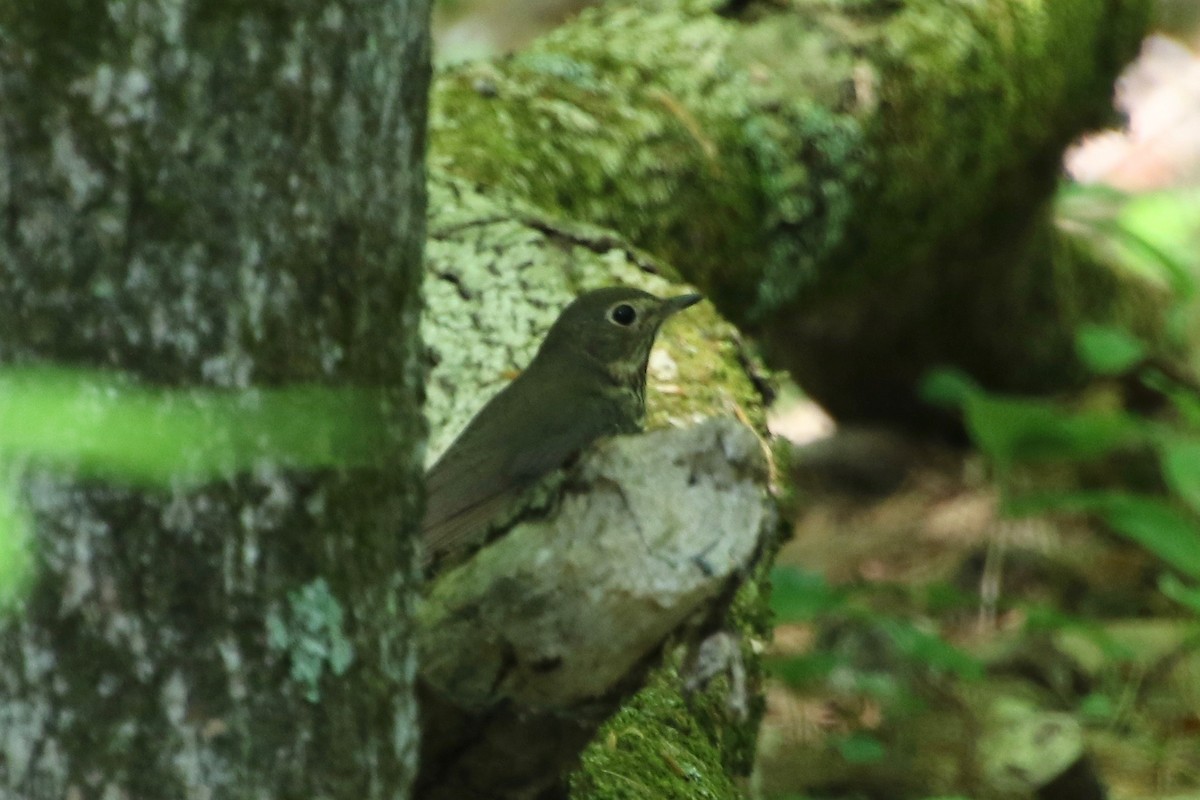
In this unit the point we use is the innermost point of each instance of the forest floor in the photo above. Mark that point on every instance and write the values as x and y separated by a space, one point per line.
1067 655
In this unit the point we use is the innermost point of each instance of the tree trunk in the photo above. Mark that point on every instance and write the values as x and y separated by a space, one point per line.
220 196
865 186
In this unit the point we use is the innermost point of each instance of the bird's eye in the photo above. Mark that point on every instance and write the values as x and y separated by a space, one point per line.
623 314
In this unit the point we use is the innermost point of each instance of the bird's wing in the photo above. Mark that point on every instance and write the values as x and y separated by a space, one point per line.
461 494
481 473
445 533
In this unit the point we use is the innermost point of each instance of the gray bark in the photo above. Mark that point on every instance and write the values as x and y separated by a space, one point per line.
227 196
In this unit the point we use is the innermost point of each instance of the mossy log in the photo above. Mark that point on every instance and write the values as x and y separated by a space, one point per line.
865 185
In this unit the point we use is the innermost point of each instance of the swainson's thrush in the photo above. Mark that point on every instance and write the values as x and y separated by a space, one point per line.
587 380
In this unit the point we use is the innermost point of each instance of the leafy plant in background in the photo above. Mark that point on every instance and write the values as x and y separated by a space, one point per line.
866 652
1157 236
1013 432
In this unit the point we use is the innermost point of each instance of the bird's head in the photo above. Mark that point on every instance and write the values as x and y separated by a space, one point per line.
615 326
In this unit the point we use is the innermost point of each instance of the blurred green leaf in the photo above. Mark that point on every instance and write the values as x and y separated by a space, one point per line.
1181 468
1186 402
798 596
1012 430
1189 408
860 748
1163 529
931 650
942 596
1048 618
1155 235
1098 707
1177 590
16 542
949 388
1040 618
884 685
805 670
1107 350
111 427
1168 222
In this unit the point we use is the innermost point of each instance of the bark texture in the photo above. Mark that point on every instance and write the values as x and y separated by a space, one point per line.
228 196
865 186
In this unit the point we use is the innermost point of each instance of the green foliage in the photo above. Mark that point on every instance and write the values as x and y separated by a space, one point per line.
106 426
1153 235
804 670
930 649
1020 430
1015 432
860 748
1107 350
1164 224
1181 468
941 597
1186 596
1156 524
1157 236
798 596
1040 618
1098 707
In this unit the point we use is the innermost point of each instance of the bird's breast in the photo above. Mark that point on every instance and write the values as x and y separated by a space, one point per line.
628 404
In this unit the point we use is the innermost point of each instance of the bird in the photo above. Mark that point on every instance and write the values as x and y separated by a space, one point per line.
586 381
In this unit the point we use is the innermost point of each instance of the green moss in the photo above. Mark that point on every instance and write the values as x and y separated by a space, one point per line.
656 747
980 101
617 121
669 743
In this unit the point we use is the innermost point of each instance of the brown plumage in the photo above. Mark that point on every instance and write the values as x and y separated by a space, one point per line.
586 381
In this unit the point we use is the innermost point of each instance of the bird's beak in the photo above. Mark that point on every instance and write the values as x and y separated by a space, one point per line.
673 304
